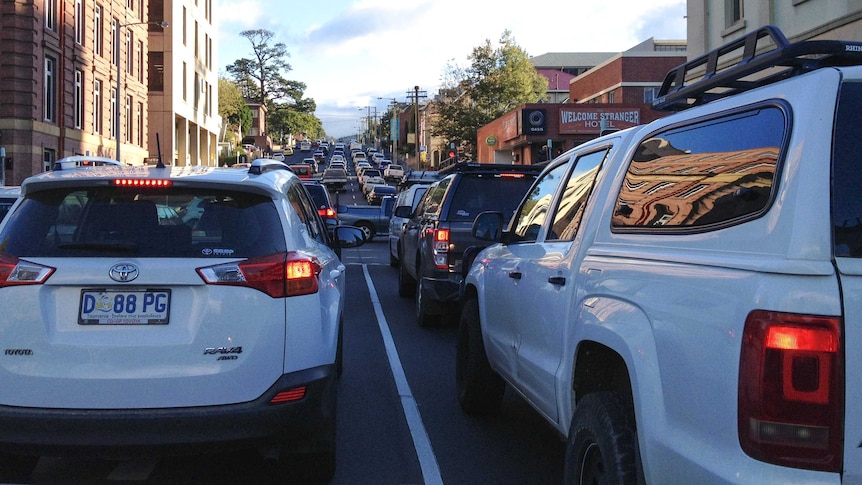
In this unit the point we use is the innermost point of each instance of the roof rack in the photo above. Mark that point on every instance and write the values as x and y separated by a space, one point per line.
707 81
263 165
461 167
84 161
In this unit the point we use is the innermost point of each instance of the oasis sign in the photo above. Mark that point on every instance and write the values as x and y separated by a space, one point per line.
580 121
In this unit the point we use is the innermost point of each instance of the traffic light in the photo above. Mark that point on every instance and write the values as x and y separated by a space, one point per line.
453 155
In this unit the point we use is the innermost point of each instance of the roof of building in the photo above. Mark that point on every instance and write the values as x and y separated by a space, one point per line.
557 80
558 60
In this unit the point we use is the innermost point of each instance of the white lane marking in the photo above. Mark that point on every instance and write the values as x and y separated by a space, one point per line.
424 452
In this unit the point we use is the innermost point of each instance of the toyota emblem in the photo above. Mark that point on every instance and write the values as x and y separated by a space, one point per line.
124 272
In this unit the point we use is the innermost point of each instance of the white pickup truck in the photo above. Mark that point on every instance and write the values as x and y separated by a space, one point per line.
682 301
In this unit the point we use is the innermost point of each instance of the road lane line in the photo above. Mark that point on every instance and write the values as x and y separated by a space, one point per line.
424 452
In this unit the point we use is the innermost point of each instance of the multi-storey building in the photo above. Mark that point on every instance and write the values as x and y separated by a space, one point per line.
183 88
712 23
60 93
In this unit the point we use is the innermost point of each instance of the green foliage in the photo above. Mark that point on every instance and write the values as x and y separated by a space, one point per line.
498 80
262 78
232 107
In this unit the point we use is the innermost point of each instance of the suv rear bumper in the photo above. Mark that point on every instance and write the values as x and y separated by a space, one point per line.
442 293
308 422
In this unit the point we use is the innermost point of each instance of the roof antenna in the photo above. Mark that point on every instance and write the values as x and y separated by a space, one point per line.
159 150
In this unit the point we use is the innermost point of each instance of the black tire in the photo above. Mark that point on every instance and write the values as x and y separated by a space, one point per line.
406 283
424 314
367 230
480 389
393 261
17 468
602 444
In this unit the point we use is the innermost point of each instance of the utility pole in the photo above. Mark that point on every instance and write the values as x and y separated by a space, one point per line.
416 94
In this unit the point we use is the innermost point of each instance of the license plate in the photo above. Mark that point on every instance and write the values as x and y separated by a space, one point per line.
127 307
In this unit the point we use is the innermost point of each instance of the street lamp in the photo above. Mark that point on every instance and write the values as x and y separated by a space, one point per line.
163 24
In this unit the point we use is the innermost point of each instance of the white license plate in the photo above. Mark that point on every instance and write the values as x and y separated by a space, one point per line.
130 307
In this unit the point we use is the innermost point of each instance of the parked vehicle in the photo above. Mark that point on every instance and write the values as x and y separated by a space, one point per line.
438 231
681 300
334 178
407 197
373 220
244 312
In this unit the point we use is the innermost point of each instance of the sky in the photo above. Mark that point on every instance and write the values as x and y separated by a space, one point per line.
352 53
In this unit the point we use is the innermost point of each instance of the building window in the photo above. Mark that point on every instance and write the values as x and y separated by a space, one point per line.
97 106
127 123
140 54
50 88
112 114
650 94
79 99
79 22
185 83
115 42
141 10
197 47
49 156
51 15
156 73
156 10
733 11
611 97
185 27
139 115
97 31
130 53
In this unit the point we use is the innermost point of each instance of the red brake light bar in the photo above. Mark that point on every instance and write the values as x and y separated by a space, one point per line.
143 183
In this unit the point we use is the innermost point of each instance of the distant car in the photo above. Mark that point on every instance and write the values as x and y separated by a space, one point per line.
323 203
393 172
305 146
288 150
143 335
278 156
409 196
8 196
376 194
302 171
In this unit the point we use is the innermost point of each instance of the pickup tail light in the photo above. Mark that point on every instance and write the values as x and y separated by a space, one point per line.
441 248
791 390
327 213
17 272
278 275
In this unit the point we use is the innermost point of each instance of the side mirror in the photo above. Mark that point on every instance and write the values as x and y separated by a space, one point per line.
488 226
404 211
348 237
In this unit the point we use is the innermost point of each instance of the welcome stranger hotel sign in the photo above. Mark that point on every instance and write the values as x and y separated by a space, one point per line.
583 121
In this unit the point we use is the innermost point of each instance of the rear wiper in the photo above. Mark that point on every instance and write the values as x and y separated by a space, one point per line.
108 247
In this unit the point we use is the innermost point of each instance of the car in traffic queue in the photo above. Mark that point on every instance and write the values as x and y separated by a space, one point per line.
409 196
126 333
8 196
378 192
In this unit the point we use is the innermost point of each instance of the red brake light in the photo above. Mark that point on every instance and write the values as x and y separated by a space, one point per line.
291 395
791 390
17 272
512 175
278 275
327 213
143 183
441 235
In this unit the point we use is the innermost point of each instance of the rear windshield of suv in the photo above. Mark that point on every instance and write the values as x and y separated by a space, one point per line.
174 222
477 193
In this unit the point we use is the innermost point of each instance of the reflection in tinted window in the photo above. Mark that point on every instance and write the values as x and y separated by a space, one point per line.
476 193
567 217
537 204
176 222
713 172
846 173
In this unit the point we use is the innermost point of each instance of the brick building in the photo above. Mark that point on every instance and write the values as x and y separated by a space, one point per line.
615 94
58 81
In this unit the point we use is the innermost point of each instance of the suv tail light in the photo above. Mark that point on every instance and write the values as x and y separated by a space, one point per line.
17 272
441 248
791 390
278 275
327 213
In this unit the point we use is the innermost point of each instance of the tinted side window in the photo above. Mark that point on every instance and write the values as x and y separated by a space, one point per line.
304 208
699 176
846 173
431 203
146 222
567 217
537 204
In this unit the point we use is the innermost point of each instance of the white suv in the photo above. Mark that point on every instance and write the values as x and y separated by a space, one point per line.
683 300
124 332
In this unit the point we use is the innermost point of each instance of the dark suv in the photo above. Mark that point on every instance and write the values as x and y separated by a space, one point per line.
439 230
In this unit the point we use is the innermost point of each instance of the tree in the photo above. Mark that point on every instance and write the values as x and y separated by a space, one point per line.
232 107
262 79
497 81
